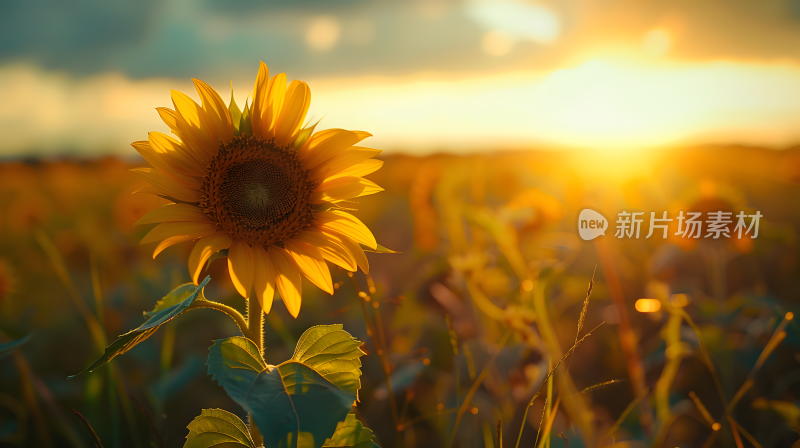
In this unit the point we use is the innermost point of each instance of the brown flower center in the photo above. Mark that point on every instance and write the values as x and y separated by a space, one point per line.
257 192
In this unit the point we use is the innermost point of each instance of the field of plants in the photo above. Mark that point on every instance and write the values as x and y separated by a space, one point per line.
494 324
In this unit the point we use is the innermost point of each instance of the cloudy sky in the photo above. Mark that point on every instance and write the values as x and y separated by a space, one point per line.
421 75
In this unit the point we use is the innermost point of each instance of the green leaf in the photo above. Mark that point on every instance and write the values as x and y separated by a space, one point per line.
379 250
130 339
298 403
236 113
8 347
351 433
303 136
333 353
245 126
218 428
235 363
175 296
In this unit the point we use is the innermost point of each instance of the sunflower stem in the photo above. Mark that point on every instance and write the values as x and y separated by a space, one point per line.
255 324
255 332
230 311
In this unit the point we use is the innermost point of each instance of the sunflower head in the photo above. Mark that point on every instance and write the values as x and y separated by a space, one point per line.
261 185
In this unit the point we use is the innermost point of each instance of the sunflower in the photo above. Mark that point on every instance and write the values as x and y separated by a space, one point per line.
259 187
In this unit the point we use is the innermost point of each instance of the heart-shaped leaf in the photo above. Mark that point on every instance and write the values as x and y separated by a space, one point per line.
351 433
333 353
130 339
298 403
218 428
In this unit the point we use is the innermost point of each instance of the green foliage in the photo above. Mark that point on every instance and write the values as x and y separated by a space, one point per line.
236 113
333 353
300 402
7 348
161 316
175 297
303 136
245 125
351 433
219 429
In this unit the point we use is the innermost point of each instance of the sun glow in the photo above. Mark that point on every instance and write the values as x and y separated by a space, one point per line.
600 104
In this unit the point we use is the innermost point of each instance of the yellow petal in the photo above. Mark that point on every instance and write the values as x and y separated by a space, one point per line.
168 186
363 134
181 128
169 229
362 169
171 241
198 122
293 112
204 249
347 225
332 249
161 163
264 275
215 110
276 92
355 249
260 96
177 154
240 266
325 144
342 161
342 188
173 213
147 189
310 261
287 280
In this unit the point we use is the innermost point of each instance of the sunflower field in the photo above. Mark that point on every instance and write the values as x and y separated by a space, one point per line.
255 279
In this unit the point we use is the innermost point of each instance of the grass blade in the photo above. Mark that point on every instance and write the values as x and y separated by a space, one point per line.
96 439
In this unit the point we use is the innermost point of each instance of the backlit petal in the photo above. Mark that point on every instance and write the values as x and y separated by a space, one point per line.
325 144
162 163
347 225
168 186
342 188
171 241
276 92
342 161
198 122
260 97
173 213
355 249
216 110
311 263
177 154
204 249
169 229
197 147
332 249
240 267
362 169
293 112
264 275
288 279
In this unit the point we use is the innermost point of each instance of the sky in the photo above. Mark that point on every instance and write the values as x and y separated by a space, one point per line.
422 76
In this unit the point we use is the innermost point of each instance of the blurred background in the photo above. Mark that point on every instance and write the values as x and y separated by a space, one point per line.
499 120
